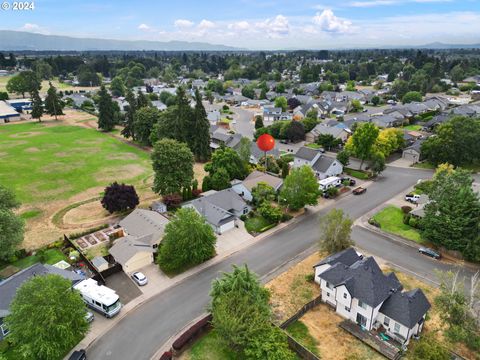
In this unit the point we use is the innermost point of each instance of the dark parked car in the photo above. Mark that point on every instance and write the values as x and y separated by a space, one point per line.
78 355
429 252
351 182
359 191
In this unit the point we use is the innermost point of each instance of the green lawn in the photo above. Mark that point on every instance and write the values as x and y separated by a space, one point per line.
356 173
256 223
424 165
210 347
52 256
313 146
299 332
30 214
45 84
412 127
56 162
391 221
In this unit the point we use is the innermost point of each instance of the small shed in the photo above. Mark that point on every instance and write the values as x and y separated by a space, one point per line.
100 263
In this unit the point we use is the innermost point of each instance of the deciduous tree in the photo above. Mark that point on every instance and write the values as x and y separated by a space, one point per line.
300 188
188 241
335 230
144 120
281 102
11 225
119 197
172 163
229 160
47 318
361 143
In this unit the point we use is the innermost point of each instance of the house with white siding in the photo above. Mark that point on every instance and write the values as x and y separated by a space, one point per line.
323 166
359 291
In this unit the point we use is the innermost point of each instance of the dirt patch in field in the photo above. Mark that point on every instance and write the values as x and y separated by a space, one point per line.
90 141
26 134
50 146
111 173
3 153
124 156
10 144
91 212
59 166
32 150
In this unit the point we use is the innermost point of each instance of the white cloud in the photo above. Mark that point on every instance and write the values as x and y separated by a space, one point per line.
328 22
275 28
239 26
206 24
144 27
183 23
34 28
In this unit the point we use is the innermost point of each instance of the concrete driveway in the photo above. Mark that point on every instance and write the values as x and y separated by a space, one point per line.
124 286
233 239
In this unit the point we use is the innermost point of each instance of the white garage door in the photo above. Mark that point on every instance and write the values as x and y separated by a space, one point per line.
228 226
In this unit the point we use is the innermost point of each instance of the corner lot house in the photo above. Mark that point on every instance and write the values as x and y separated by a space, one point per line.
8 288
221 209
321 165
359 291
413 152
244 188
143 231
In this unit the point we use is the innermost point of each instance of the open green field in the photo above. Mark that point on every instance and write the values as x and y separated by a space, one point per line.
55 82
391 220
43 162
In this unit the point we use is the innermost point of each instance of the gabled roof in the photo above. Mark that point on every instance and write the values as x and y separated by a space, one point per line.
306 153
140 223
322 164
128 246
256 177
407 307
347 257
364 280
8 288
417 146
258 154
335 131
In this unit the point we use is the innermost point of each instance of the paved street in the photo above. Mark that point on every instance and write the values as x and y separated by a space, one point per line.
143 331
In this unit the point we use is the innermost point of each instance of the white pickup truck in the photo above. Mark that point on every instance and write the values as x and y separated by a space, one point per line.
413 198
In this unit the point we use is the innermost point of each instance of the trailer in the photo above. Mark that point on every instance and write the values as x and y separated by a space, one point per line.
99 298
332 181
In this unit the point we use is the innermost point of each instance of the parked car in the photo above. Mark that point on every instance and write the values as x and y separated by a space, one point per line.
413 198
429 252
139 278
359 190
283 141
78 355
351 182
89 317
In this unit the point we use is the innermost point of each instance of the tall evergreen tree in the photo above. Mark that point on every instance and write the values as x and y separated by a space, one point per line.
128 131
53 104
142 100
184 116
37 106
200 131
106 111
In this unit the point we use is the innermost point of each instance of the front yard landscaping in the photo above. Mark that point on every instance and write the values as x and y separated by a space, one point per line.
412 127
359 174
257 224
391 221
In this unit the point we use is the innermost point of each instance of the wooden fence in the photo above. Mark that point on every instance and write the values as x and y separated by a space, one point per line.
301 350
308 306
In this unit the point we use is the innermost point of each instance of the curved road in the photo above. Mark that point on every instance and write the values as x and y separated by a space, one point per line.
142 332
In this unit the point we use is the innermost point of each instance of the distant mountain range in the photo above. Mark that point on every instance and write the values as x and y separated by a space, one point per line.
439 45
20 40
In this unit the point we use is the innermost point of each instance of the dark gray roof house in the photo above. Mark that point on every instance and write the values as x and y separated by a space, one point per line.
140 223
346 257
408 307
8 287
306 153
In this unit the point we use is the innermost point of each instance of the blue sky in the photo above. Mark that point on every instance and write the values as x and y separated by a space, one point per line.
257 24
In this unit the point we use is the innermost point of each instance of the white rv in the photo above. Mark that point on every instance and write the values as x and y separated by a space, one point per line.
99 297
332 181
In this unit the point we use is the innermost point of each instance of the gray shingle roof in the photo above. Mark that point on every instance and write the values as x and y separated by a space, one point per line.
407 308
140 223
364 280
322 164
126 247
347 257
256 177
8 287
306 153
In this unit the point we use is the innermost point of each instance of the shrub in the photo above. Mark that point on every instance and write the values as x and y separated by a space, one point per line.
243 217
286 217
414 222
406 209
332 192
269 212
172 201
406 219
374 222
310 277
192 332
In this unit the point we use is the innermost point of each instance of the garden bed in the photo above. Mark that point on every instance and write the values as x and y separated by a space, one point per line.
359 174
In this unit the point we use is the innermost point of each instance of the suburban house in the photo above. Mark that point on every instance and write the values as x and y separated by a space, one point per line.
8 287
275 114
244 188
143 231
220 137
221 209
256 154
413 152
360 292
387 121
214 116
8 113
338 132
321 165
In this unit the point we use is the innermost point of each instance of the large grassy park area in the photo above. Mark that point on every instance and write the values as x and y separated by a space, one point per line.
53 165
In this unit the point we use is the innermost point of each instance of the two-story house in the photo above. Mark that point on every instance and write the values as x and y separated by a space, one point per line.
321 165
359 291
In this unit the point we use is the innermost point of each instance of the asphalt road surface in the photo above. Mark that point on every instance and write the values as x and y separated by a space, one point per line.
142 332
